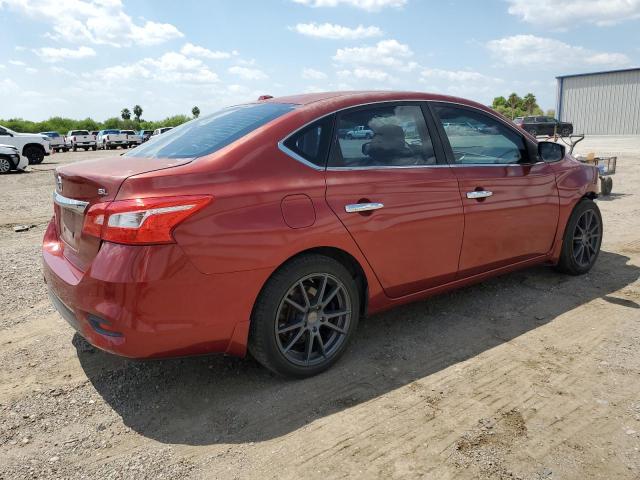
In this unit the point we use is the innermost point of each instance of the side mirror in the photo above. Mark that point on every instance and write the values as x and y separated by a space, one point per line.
550 152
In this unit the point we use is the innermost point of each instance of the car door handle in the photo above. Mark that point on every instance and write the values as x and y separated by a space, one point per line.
362 207
479 194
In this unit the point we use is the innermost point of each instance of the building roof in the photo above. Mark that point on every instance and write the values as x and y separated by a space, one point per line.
600 73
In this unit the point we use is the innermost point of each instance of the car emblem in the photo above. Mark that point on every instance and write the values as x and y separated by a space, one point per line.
102 192
59 182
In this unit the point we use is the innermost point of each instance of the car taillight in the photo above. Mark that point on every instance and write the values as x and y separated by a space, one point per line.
141 221
107 137
74 138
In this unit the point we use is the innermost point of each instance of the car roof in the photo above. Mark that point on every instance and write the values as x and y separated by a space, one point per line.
313 105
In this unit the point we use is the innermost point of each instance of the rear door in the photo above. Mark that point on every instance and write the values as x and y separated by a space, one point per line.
510 199
396 196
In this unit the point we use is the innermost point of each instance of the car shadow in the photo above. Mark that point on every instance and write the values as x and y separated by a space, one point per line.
216 399
611 197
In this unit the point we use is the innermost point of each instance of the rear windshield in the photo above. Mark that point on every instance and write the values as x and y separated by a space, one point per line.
51 134
112 132
128 132
79 132
205 135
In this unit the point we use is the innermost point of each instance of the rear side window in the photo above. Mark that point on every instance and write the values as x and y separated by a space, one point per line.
385 136
312 142
205 135
478 139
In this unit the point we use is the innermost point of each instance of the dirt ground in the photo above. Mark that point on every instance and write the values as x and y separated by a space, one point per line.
533 375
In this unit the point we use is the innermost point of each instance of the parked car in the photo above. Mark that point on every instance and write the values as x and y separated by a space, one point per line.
544 126
10 159
95 133
160 131
255 228
81 139
359 132
30 145
145 134
133 138
112 139
57 142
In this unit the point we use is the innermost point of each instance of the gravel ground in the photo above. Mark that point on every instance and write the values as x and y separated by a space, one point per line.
533 375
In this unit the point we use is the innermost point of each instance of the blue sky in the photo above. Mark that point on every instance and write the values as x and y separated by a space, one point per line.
91 58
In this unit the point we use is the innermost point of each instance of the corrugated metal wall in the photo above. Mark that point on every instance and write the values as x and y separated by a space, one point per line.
602 104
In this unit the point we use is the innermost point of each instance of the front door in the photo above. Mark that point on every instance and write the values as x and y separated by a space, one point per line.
510 199
400 204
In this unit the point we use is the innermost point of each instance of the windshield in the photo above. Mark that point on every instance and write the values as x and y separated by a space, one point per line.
205 135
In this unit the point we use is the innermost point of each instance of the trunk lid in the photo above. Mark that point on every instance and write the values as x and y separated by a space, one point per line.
83 184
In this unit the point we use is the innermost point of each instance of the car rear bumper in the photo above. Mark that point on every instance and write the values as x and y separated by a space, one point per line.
150 301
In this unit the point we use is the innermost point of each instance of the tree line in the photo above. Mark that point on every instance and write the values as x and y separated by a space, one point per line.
124 122
515 106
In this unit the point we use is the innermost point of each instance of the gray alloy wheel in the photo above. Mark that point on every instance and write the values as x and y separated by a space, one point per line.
305 316
533 132
313 319
5 165
565 132
582 239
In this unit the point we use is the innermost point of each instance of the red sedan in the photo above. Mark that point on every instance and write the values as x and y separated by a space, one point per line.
274 226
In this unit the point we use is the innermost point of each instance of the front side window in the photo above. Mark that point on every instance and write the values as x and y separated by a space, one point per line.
312 142
477 138
385 136
205 135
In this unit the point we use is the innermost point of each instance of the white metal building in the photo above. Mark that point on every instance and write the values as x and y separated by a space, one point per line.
601 103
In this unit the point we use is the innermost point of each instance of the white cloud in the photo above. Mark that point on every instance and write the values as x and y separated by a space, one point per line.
93 21
529 50
336 32
31 70
311 74
49 54
248 73
456 75
366 74
170 67
388 53
198 51
17 63
368 5
549 13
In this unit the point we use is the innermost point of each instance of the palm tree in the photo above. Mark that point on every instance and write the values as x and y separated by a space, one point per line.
137 111
529 103
513 101
196 112
125 114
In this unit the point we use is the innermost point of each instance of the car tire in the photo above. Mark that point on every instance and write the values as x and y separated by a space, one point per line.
291 332
565 132
34 154
75 148
94 148
5 165
349 137
533 132
606 185
582 239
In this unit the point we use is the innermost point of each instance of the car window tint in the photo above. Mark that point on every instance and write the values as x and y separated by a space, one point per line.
312 142
205 135
393 136
477 138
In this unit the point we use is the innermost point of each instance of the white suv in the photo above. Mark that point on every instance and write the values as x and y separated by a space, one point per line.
10 159
30 145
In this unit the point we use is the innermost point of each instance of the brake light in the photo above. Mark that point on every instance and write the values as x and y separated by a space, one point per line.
141 221
74 138
107 137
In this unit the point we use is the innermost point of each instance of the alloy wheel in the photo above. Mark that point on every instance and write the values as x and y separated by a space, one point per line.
586 238
313 319
5 165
